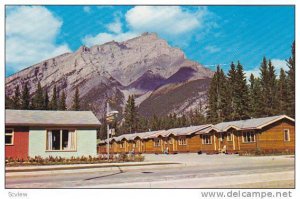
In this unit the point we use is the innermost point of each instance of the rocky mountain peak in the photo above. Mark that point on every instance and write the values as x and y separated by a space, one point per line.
112 70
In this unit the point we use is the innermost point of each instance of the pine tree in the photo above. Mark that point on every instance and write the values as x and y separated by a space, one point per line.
16 99
172 118
53 102
32 104
218 98
232 92
76 101
272 90
241 94
38 99
103 128
130 115
291 83
254 97
213 98
183 121
46 100
264 81
282 93
143 125
62 102
25 100
8 102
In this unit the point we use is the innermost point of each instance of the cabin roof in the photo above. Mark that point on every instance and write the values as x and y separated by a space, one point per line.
255 123
184 130
51 118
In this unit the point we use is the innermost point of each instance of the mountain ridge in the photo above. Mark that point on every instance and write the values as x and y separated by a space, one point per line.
137 66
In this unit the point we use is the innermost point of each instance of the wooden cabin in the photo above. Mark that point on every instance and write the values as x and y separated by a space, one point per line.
274 134
270 135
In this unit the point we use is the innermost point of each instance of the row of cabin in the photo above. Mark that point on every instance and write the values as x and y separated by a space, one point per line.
270 135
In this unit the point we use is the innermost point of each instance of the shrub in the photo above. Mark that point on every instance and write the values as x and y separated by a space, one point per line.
50 160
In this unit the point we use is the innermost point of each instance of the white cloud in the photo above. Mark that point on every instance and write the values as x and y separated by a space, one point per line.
254 71
31 32
277 63
115 27
87 9
212 49
106 37
168 21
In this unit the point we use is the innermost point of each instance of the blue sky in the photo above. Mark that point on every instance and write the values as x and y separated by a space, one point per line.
209 35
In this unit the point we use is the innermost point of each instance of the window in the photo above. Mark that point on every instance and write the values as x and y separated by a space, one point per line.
9 137
182 141
206 139
222 137
286 134
61 140
248 137
122 145
229 136
157 142
170 141
133 145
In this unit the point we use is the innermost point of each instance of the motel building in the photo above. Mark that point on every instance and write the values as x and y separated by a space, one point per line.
274 134
30 133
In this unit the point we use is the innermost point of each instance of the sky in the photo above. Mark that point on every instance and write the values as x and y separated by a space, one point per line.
210 35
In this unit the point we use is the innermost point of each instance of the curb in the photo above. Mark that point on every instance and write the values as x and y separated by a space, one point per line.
72 167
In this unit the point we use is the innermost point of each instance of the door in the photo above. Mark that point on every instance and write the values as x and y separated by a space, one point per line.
222 142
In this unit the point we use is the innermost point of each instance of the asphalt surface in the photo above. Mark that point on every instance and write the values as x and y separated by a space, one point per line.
147 174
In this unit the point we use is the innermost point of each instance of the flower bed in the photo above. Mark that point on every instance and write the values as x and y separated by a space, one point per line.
38 160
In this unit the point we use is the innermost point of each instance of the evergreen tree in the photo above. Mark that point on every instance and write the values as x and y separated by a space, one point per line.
241 94
8 102
291 83
62 102
282 93
232 87
143 125
264 81
183 121
76 101
32 104
53 102
213 98
130 115
272 84
38 99
16 99
155 123
103 129
46 100
172 118
25 100
254 97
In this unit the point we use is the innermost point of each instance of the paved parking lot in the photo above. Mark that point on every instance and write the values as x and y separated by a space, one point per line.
216 159
195 171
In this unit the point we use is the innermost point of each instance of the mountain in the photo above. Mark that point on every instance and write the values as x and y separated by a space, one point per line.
145 66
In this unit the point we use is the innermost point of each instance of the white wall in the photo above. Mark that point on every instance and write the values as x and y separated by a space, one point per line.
86 144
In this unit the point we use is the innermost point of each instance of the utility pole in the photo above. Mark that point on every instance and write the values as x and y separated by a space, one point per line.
110 117
107 111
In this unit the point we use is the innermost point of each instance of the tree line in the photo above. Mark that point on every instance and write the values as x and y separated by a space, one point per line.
230 97
133 122
24 100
